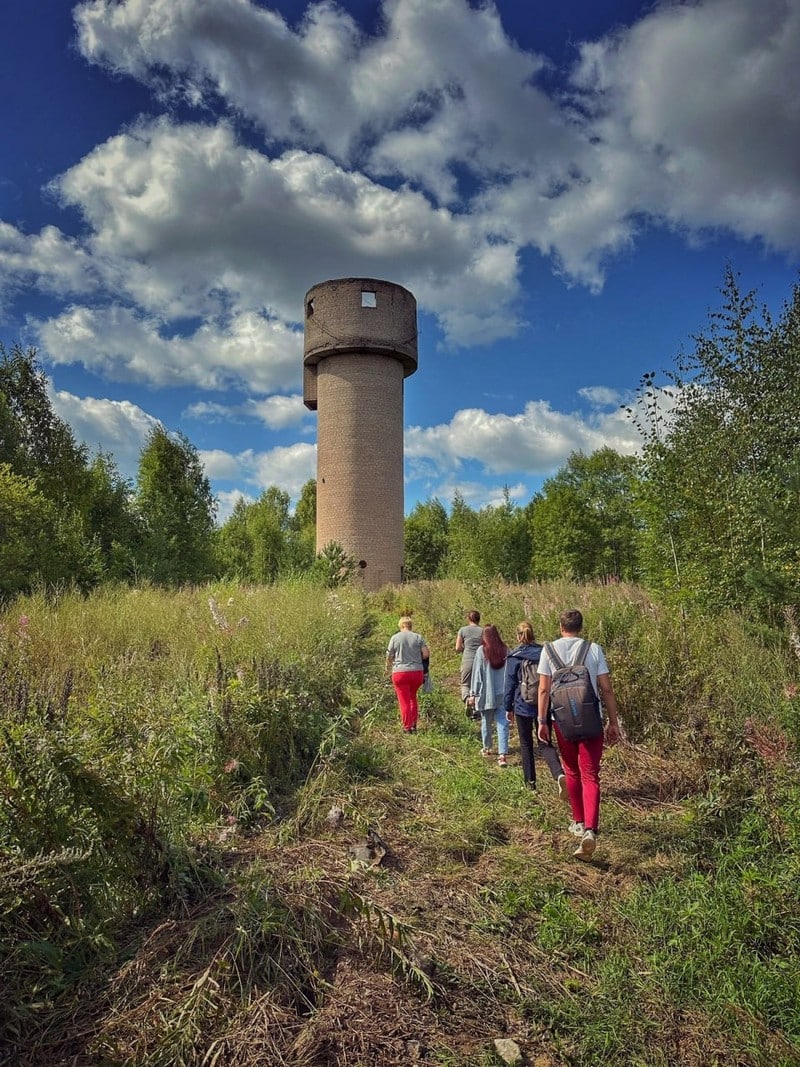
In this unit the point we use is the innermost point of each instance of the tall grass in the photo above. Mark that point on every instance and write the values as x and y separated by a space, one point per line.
137 729
168 763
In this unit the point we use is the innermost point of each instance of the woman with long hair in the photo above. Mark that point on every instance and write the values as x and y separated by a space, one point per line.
486 691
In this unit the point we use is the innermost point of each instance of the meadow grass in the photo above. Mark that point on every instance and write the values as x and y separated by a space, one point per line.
175 892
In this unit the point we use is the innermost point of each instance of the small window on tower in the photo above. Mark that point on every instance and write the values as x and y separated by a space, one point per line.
309 309
369 299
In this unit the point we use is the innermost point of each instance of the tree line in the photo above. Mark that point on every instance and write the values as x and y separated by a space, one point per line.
707 514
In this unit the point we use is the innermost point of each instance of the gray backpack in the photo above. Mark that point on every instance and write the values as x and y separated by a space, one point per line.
529 681
573 701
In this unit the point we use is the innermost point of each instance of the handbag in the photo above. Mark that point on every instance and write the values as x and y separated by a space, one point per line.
427 684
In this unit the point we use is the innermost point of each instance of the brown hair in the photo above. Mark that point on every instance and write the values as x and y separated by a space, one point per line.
474 617
572 621
494 647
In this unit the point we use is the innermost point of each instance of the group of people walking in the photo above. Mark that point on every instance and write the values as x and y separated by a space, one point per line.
513 686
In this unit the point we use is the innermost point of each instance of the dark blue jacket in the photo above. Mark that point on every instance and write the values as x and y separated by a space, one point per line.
512 698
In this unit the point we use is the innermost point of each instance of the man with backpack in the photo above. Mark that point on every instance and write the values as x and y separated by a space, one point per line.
573 680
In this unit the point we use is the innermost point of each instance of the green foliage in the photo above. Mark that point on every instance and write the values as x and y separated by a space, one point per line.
111 521
333 566
252 545
582 523
426 530
49 514
144 733
38 545
491 543
504 542
302 546
132 725
462 541
176 508
723 533
262 541
38 443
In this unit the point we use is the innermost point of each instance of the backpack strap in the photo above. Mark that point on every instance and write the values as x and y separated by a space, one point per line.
583 652
578 661
554 657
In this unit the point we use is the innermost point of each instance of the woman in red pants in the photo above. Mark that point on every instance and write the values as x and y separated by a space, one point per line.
407 657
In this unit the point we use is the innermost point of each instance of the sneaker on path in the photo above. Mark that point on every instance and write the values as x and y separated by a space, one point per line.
562 787
576 828
587 846
502 761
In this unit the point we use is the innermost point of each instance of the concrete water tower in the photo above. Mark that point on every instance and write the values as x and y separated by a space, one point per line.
360 344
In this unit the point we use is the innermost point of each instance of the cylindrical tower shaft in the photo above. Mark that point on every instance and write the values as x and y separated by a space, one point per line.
360 462
360 343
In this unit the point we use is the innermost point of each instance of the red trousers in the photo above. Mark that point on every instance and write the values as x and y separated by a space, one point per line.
581 760
406 684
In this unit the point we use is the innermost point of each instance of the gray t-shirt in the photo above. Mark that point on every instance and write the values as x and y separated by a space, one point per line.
405 647
472 636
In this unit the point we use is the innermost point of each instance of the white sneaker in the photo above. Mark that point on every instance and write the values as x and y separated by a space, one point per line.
562 788
587 846
576 828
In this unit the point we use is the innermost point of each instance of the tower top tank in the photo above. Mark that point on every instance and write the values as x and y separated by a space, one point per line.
353 315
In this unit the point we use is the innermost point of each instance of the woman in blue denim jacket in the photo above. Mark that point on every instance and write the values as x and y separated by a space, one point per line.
486 691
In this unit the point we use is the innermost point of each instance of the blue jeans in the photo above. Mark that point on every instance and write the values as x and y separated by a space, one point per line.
499 716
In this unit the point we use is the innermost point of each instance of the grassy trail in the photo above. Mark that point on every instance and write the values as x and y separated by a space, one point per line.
470 920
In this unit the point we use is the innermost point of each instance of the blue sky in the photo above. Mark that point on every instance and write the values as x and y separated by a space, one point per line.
560 186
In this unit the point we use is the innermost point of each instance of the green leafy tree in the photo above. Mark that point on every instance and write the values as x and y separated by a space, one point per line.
583 524
175 505
254 542
563 533
775 576
305 514
35 441
718 481
112 523
425 539
303 529
232 547
39 446
270 524
10 432
463 549
38 546
503 543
